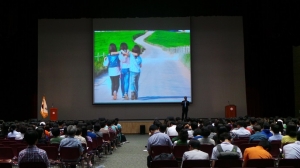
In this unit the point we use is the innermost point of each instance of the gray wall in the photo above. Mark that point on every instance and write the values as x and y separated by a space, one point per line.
65 52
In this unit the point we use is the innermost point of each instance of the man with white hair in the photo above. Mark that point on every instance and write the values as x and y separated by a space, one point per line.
70 141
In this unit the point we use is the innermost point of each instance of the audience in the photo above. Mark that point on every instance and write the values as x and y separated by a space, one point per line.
241 131
291 134
12 131
171 131
266 131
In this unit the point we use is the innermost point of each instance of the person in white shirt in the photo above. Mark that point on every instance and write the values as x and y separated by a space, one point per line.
13 133
194 153
292 150
241 131
171 131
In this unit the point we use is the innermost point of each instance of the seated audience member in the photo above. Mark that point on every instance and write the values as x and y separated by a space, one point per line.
292 150
70 141
90 132
103 129
179 127
220 131
194 153
194 125
197 134
163 128
23 130
79 136
291 134
156 139
258 152
212 131
97 128
276 136
206 140
41 136
171 131
241 131
226 145
65 132
85 135
183 138
266 130
56 138
46 131
252 124
257 136
32 153
12 131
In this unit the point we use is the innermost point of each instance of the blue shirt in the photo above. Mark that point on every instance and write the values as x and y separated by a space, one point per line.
71 142
275 137
91 134
258 136
135 63
267 132
158 139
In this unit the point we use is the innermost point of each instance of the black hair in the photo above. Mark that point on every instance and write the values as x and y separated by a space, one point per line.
153 128
197 132
55 131
183 135
31 137
79 131
112 48
96 127
257 128
12 128
266 125
123 46
275 128
40 132
225 136
162 128
298 135
179 127
195 144
136 49
194 125
291 129
205 132
265 144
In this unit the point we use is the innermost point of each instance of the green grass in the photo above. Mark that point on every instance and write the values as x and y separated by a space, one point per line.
169 39
102 40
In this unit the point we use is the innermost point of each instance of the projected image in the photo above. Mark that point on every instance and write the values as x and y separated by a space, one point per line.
141 66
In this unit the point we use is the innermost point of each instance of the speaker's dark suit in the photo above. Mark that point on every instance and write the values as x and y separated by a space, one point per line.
185 109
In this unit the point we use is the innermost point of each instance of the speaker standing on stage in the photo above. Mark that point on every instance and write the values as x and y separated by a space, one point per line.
185 108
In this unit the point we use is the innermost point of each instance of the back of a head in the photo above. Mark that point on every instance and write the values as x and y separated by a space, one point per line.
241 123
55 131
79 131
291 129
102 124
183 135
40 132
195 144
194 125
71 129
265 144
257 128
205 132
153 128
252 121
173 122
96 127
179 127
197 132
162 128
31 137
275 128
266 125
225 136
90 127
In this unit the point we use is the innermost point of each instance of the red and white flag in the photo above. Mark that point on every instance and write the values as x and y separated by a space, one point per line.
44 108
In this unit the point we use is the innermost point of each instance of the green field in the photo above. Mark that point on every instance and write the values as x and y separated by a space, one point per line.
102 40
169 39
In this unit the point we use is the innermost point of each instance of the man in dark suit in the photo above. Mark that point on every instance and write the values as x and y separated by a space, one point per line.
185 108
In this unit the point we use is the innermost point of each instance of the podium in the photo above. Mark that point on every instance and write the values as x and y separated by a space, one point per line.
53 114
230 111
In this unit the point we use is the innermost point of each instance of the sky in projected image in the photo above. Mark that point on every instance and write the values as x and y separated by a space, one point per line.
165 69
